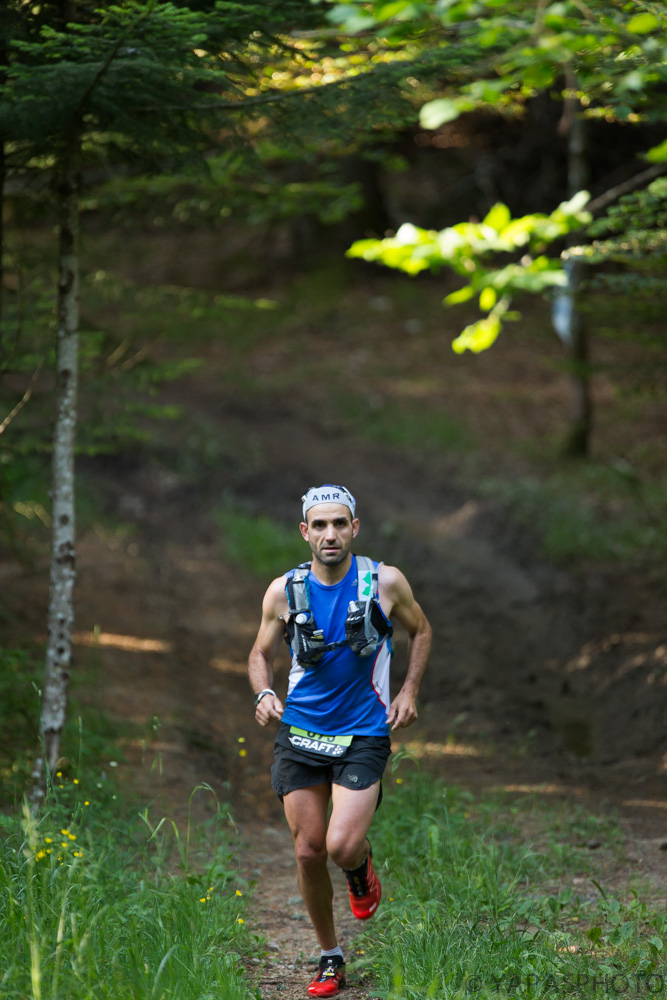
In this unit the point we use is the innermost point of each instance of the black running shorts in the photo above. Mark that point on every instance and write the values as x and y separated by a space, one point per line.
360 767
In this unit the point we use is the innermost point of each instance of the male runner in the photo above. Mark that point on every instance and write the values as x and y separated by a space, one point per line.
343 697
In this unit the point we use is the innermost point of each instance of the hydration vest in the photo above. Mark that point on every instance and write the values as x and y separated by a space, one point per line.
365 626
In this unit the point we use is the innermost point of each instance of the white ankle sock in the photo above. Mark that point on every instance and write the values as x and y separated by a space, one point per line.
331 952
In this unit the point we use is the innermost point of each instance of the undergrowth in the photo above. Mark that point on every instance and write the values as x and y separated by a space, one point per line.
91 908
588 512
261 545
412 425
97 898
471 909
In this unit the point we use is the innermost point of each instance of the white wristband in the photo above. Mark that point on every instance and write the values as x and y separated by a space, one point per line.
258 697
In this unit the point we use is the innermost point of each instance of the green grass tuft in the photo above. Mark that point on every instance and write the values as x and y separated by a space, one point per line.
471 908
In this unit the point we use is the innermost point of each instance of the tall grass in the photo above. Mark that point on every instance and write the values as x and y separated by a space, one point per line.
471 910
90 908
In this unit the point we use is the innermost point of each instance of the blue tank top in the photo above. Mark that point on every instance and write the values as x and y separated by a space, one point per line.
343 693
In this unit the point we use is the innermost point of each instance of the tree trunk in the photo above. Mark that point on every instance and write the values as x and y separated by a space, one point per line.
61 585
4 63
3 177
573 330
575 337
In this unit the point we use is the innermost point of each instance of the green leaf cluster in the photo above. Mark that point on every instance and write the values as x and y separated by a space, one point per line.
465 249
605 61
614 52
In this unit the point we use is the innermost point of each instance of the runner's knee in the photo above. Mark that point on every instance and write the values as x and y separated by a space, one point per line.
345 849
311 855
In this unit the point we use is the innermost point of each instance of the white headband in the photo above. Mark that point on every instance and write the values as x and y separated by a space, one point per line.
327 494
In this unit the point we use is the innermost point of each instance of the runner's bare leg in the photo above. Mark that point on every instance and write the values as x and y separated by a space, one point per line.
306 813
351 817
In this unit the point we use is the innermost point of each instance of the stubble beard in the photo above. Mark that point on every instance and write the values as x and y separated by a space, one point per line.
334 559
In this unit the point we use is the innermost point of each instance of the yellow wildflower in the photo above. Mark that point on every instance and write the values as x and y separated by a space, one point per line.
243 753
76 781
240 920
241 739
48 840
203 899
238 892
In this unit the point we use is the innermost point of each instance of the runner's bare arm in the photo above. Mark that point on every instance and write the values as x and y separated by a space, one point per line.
397 596
263 652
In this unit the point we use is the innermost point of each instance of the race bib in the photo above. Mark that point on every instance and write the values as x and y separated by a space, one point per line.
325 746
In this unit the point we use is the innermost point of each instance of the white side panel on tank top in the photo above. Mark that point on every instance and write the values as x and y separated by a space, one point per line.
295 675
380 677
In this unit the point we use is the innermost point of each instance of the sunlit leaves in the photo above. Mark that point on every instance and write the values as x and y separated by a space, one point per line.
643 24
478 336
413 249
616 51
466 248
436 113
488 298
460 295
498 218
658 154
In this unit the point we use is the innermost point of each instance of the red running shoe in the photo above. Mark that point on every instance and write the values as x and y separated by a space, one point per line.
330 978
365 892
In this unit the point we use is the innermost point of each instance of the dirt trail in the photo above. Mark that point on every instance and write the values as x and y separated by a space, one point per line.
533 683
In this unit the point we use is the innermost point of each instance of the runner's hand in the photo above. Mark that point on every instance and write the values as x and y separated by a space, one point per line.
402 711
270 707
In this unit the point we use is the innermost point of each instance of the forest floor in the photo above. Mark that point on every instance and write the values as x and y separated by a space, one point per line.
543 681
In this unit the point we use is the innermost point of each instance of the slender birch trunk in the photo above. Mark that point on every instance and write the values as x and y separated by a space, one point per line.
61 585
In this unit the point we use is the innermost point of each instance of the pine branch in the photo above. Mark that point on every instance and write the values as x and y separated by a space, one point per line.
110 58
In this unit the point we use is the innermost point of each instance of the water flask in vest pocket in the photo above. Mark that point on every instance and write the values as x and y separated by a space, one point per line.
310 638
359 633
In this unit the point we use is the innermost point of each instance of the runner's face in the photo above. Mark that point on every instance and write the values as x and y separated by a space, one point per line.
329 529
